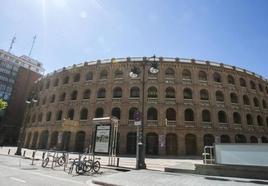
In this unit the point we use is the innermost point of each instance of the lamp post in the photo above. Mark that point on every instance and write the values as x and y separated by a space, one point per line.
140 154
22 130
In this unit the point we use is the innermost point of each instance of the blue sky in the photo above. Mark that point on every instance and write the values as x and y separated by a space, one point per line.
234 32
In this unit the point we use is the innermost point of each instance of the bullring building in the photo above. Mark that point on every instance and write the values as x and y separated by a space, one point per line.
187 104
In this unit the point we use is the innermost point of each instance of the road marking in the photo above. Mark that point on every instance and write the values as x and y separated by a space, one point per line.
17 179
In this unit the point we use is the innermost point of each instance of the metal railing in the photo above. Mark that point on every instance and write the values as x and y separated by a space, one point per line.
208 157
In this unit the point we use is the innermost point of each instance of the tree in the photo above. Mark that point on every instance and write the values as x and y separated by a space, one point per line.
3 104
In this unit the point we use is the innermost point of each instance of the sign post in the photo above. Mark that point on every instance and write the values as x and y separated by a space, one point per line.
137 122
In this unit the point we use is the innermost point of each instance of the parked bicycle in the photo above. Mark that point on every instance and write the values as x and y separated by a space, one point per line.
60 160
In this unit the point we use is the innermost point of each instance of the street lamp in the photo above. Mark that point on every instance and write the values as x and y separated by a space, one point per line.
153 69
22 130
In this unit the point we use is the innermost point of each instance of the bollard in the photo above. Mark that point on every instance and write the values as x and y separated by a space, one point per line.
33 157
24 152
8 151
117 164
43 155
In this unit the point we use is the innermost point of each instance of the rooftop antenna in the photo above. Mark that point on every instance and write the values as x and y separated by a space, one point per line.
11 44
34 38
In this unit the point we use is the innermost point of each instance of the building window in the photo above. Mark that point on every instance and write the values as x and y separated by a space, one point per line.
187 93
103 74
59 115
236 118
131 113
252 85
76 77
171 114
202 76
222 117
152 92
83 114
240 138
249 119
117 92
186 74
260 120
89 76
219 96
74 95
135 92
231 80
188 115
40 116
56 82
246 100
70 115
101 93
48 84
99 113
264 105
206 116
116 112
48 116
234 98
52 99
170 73
62 96
170 92
256 102
118 74
266 89
260 87
217 77
44 101
242 82
152 114
204 94
86 94
65 80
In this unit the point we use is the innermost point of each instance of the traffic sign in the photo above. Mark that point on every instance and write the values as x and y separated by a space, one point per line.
137 116
137 123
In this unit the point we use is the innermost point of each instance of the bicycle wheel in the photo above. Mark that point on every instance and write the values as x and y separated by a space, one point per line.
87 166
61 160
79 169
45 162
96 166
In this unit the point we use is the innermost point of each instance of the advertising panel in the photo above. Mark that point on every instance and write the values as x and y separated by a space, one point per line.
102 139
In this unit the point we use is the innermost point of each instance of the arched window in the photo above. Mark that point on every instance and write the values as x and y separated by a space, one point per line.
83 114
204 94
131 113
52 98
170 73
116 112
170 92
74 95
253 139
264 105
188 115
89 76
117 92
59 115
206 116
225 139
234 98
118 74
222 117
260 120
246 100
236 118
264 139
171 114
99 113
48 116
86 94
260 87
266 89
242 82
152 92
56 82
219 96
249 119
152 114
187 93
103 74
40 116
252 85
239 138
76 77
231 80
256 102
70 114
135 92
208 140
202 76
186 74
48 84
101 93
62 96
65 80
217 77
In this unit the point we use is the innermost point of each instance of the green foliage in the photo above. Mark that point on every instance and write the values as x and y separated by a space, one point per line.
3 104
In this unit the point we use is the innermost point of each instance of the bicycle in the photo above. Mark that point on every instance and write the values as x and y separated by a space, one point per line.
92 165
60 160
79 165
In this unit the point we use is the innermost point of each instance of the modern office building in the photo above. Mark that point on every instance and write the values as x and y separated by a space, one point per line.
187 104
17 76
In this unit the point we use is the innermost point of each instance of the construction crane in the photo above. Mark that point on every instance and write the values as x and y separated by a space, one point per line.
34 38
11 44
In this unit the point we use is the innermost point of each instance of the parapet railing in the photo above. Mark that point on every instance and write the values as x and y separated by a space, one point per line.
161 59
